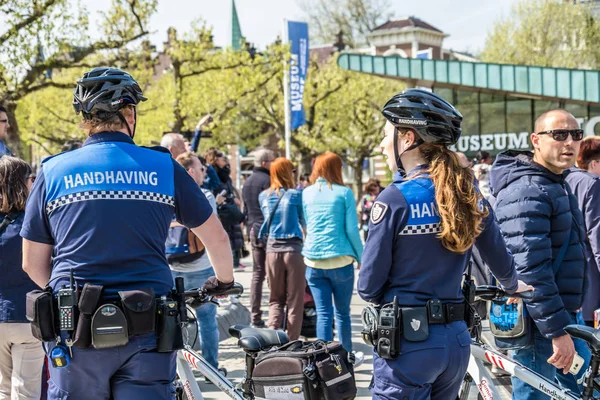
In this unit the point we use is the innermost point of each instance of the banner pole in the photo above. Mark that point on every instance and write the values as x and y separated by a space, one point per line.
286 96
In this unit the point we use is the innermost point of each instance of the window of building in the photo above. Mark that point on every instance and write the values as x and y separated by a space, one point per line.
518 116
492 116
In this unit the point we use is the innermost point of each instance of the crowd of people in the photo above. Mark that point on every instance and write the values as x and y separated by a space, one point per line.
530 217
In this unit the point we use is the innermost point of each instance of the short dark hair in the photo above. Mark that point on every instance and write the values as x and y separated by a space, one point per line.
371 185
14 173
483 155
2 109
305 177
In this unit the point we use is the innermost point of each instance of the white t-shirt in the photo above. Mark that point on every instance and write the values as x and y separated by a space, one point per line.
203 262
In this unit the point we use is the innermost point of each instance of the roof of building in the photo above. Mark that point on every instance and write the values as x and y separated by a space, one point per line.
541 83
406 23
323 53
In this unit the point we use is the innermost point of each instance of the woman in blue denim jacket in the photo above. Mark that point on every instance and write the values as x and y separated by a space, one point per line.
282 230
332 246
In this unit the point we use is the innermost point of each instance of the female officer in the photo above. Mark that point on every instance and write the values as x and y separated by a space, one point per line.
421 231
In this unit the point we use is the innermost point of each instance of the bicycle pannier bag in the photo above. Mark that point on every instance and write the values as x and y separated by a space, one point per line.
510 324
304 371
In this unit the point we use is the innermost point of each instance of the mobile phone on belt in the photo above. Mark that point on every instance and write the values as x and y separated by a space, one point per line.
577 364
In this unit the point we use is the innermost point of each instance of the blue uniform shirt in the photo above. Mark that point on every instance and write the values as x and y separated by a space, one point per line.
106 209
403 256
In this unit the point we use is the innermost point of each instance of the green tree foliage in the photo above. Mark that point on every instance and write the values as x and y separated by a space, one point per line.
41 39
214 80
545 33
355 18
347 121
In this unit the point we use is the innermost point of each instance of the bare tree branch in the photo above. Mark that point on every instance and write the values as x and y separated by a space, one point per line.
132 4
67 120
41 145
215 68
39 11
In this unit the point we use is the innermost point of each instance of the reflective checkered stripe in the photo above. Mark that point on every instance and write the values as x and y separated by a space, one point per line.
109 195
424 229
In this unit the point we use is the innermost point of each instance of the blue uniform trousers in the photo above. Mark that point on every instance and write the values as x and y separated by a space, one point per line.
133 371
432 369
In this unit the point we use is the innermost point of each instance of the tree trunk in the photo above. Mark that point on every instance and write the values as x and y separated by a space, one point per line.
14 136
358 181
178 120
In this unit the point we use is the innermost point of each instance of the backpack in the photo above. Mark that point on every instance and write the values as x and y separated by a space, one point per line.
182 244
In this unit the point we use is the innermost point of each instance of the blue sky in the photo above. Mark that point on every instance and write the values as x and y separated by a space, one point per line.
466 21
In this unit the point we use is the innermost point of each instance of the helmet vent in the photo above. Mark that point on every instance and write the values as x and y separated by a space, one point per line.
414 99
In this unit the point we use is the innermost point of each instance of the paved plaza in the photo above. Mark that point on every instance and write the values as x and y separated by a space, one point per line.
232 357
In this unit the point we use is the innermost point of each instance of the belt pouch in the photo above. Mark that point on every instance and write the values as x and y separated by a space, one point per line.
337 379
415 324
139 307
40 312
169 336
109 327
88 304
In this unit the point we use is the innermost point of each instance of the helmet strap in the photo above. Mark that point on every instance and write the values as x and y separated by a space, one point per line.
398 155
122 118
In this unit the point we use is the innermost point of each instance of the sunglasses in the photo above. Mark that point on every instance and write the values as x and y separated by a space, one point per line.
560 135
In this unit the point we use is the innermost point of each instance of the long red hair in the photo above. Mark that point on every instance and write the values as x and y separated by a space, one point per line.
282 174
329 166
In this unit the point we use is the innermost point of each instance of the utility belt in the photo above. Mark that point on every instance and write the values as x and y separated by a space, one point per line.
86 318
384 326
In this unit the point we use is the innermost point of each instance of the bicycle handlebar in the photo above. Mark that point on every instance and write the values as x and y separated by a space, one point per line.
489 292
199 293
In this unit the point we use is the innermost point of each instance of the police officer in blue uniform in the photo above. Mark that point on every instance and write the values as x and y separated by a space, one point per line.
421 231
103 211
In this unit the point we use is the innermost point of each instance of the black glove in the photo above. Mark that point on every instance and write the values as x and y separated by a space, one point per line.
214 287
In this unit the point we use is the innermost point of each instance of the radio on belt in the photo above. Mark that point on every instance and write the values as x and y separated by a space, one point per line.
67 301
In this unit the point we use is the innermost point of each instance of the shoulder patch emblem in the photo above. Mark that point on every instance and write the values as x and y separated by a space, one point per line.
378 211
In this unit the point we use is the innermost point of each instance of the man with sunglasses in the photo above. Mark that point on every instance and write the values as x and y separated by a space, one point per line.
4 125
538 214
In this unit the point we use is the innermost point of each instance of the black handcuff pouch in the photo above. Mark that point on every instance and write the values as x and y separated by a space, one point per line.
88 304
139 307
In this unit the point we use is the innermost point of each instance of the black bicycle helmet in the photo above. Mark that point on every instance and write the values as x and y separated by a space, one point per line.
430 116
103 91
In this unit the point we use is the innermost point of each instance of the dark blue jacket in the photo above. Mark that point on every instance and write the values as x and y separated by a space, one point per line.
404 257
536 213
586 188
14 282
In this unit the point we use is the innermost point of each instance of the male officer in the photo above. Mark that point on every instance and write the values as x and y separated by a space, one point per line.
104 211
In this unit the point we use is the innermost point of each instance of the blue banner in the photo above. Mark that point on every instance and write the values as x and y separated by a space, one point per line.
298 36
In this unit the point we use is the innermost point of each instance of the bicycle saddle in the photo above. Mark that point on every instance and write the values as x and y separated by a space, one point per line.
590 335
253 339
